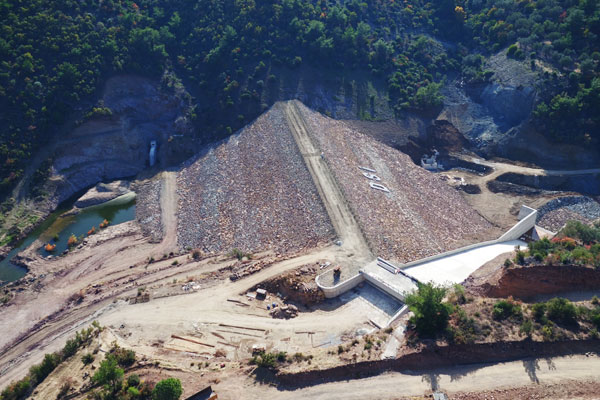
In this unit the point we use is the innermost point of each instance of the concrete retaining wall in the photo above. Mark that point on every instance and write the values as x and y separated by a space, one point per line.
527 221
381 285
342 287
520 228
446 254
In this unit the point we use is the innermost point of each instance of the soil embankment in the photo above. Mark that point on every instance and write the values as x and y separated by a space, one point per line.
527 282
441 356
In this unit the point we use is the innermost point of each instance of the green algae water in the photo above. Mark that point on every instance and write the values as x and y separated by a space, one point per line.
57 230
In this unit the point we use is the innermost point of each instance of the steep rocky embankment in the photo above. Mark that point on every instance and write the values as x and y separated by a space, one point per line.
116 144
252 192
527 282
496 117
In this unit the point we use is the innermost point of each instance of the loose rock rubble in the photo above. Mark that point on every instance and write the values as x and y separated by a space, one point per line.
419 217
251 192
555 214
284 312
147 211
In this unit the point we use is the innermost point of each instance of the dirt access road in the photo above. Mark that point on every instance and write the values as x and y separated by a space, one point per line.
394 385
337 208
500 208
501 168
115 263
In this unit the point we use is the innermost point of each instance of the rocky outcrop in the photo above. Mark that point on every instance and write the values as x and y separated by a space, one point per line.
116 146
527 282
102 193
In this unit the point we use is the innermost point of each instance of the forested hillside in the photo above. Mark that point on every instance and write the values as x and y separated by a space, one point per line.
55 54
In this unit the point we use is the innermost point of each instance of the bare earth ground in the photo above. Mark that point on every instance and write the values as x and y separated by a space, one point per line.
502 208
111 268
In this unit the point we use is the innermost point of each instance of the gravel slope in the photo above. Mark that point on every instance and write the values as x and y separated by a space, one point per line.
251 192
419 217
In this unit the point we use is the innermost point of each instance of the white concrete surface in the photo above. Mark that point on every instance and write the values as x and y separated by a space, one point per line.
396 285
457 267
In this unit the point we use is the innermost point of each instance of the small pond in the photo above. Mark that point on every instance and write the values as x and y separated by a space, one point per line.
57 230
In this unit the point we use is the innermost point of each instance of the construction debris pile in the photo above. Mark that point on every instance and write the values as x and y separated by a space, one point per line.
147 210
284 312
420 215
251 192
554 214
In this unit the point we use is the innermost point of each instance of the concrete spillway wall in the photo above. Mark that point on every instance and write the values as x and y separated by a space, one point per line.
342 287
527 221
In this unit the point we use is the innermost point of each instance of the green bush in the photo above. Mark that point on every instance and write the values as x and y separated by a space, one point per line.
561 310
109 374
167 389
539 312
504 309
41 371
125 358
133 380
87 358
431 314
18 390
526 327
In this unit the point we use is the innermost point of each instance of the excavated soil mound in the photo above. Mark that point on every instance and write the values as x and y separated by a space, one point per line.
420 215
251 192
528 282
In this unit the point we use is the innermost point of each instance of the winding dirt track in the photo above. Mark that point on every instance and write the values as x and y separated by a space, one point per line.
84 269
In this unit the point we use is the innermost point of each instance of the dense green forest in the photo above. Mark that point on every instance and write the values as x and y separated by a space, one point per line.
56 53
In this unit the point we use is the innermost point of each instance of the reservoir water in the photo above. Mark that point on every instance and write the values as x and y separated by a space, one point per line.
57 230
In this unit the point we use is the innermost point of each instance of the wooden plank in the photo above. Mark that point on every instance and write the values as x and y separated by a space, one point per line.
191 340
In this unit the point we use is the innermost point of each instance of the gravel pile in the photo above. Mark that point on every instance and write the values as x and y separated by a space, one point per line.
554 214
419 217
251 192
147 209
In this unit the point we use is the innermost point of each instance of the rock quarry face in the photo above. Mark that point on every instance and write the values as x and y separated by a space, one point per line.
117 146
496 118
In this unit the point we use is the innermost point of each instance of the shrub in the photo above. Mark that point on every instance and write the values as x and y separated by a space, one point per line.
526 327
109 374
17 390
72 241
430 313
520 257
41 371
125 358
505 309
508 263
87 358
167 389
539 312
548 331
133 392
70 348
133 380
265 360
561 310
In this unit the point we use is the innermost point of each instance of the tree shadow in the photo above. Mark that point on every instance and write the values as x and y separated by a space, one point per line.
531 367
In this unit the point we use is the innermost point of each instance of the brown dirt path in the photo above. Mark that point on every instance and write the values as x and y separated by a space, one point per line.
339 212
